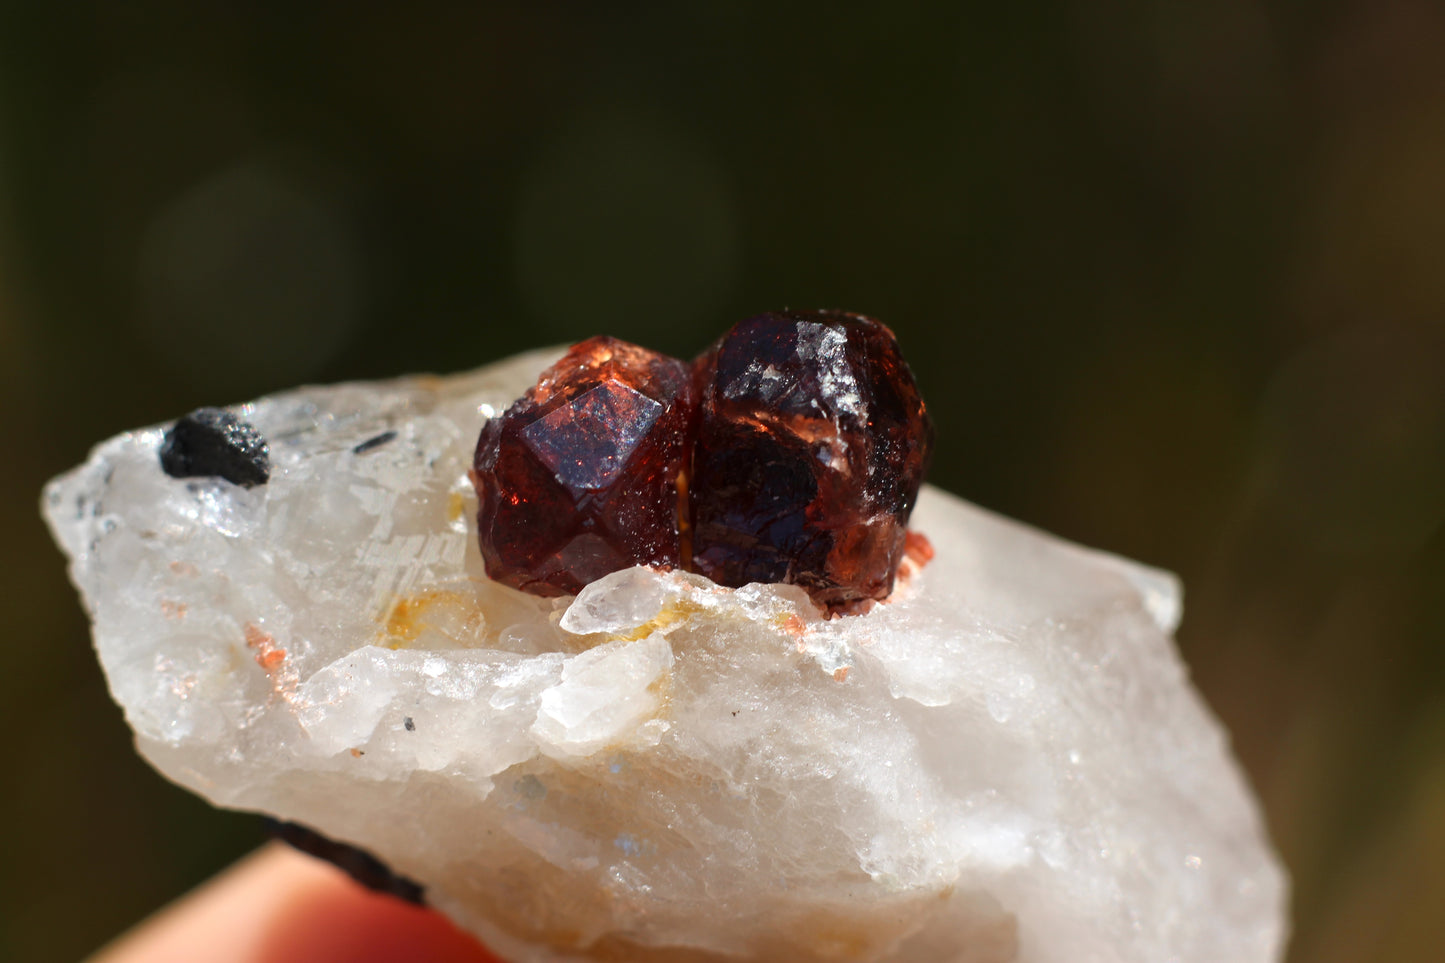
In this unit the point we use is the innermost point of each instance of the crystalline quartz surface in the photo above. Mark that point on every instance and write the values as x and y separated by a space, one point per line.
1003 762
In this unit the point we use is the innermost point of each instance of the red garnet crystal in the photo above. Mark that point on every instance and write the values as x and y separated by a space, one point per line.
580 476
792 453
812 444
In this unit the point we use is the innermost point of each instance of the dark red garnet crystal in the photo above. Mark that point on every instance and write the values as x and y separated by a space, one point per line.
792 451
580 476
812 443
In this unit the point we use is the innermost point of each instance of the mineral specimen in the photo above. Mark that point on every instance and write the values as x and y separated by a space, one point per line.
811 450
1005 762
812 443
579 477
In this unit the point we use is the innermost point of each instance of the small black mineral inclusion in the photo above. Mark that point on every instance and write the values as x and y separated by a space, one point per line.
213 443
360 865
371 444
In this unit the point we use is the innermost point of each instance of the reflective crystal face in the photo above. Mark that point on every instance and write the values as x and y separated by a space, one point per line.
812 443
579 477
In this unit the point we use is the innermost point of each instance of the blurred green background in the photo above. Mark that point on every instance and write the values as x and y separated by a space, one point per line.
1170 274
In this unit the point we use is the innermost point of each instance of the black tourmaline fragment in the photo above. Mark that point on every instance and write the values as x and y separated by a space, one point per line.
360 865
374 442
212 442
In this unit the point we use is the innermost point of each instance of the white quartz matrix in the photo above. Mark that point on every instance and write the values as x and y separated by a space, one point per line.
1003 762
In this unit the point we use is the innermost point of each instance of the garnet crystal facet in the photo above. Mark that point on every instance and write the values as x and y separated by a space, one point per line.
580 476
812 444
792 452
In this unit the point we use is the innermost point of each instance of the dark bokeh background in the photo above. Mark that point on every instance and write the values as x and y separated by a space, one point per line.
1169 272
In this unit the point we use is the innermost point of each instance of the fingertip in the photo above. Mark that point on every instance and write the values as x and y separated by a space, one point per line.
280 906
335 920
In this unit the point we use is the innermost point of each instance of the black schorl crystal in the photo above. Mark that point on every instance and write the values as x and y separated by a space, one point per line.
212 442
360 865
373 443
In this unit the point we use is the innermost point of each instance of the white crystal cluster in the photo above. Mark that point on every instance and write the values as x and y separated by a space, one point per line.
1004 762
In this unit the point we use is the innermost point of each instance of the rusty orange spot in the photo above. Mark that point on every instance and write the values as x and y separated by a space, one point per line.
841 674
184 568
794 626
917 552
173 610
356 753
269 655
671 614
403 621
918 548
451 613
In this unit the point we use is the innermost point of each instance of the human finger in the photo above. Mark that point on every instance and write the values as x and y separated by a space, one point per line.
281 906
